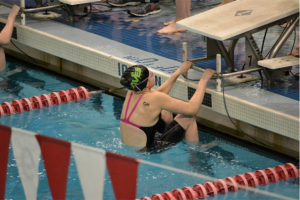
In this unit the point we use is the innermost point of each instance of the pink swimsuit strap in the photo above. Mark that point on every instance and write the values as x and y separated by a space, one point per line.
126 120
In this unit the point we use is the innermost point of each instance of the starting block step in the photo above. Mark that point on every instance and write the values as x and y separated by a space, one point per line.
279 62
77 2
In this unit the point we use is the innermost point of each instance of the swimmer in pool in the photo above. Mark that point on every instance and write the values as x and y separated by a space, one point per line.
5 37
147 114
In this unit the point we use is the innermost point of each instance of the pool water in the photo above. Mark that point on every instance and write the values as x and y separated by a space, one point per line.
95 122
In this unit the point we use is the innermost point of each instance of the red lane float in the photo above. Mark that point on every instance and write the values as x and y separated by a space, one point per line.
229 184
251 179
241 180
157 197
74 95
44 100
64 96
272 175
292 170
36 102
282 172
7 108
200 190
179 194
83 93
210 189
221 186
17 106
190 193
27 106
55 98
168 196
233 187
1 111
261 177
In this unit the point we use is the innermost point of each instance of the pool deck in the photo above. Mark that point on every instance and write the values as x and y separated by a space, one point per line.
99 47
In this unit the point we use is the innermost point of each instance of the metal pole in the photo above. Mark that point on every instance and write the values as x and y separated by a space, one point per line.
184 57
225 55
254 47
42 8
22 4
218 68
242 72
6 5
231 48
283 39
230 74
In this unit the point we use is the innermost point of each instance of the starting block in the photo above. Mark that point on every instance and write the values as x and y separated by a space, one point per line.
77 2
69 5
241 19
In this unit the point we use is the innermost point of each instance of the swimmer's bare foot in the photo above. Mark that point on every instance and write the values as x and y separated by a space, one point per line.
171 29
287 24
295 52
168 23
205 147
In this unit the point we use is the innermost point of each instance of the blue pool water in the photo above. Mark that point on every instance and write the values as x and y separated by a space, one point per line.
95 122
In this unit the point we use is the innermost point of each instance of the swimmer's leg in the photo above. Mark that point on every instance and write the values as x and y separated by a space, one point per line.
3 72
6 34
189 124
182 11
2 60
295 52
191 132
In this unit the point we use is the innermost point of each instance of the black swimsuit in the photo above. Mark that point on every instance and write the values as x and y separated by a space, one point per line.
152 130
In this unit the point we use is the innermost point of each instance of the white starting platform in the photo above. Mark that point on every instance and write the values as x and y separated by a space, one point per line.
279 62
77 2
241 19
69 5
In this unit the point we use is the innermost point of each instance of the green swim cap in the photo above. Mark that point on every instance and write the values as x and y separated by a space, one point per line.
135 77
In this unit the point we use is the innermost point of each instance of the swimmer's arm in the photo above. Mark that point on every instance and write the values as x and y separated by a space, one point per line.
6 32
190 108
167 86
165 102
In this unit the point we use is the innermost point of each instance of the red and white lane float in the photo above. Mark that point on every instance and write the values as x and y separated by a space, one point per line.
222 186
45 100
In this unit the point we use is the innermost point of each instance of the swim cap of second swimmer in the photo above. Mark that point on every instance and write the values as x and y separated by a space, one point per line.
135 78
